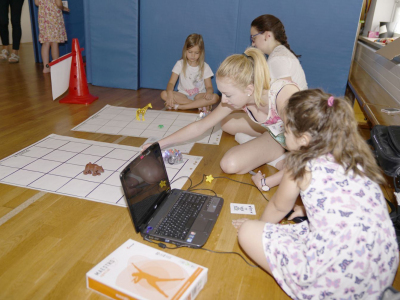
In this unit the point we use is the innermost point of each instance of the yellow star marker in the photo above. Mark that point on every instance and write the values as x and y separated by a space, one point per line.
209 178
162 183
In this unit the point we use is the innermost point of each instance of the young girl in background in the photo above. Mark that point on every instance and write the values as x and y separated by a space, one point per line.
195 88
348 250
51 29
243 79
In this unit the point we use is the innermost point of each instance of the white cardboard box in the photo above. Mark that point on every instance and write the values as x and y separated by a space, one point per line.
137 271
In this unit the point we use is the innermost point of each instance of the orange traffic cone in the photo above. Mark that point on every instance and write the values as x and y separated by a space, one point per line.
78 92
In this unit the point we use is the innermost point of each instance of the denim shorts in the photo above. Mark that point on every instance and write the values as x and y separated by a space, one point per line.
192 96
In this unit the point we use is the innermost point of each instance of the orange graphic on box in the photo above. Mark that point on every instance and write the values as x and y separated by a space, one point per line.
151 279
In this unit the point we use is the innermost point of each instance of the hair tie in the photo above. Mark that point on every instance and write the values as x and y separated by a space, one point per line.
330 100
245 55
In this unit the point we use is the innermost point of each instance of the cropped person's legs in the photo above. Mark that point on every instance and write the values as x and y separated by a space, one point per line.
45 56
4 35
200 101
55 52
248 156
179 98
16 11
250 239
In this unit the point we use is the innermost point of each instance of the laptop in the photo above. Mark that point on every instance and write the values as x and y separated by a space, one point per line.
160 213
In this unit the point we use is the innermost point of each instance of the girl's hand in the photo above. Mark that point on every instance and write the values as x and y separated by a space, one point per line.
65 9
145 146
299 211
170 101
208 96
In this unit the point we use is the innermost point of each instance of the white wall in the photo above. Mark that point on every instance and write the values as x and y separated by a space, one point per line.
25 24
380 11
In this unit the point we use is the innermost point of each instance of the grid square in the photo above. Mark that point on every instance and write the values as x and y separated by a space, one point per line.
36 151
5 171
58 155
84 159
68 170
18 161
88 127
74 147
113 179
122 154
131 132
98 178
42 165
51 143
22 177
97 121
109 130
50 182
107 193
78 188
110 163
97 150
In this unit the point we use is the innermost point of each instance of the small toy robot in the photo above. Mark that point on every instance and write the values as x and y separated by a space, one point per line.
172 156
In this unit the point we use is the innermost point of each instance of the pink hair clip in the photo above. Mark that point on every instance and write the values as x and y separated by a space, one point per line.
330 100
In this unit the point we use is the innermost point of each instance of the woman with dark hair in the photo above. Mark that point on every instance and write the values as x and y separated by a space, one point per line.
267 33
16 11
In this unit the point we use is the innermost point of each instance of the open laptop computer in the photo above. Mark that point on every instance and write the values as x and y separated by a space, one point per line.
159 213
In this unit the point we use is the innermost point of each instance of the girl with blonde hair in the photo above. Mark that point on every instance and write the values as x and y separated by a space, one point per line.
244 82
195 88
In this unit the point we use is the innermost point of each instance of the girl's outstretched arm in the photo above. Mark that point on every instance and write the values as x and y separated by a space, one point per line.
282 202
195 129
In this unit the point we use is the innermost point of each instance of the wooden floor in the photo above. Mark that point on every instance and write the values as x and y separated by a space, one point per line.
48 242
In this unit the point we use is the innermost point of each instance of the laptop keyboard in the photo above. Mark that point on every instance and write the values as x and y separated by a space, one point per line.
181 216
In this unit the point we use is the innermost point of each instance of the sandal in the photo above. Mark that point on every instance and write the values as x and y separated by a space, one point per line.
4 53
14 58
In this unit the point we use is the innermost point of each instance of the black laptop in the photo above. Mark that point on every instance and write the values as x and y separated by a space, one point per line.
159 213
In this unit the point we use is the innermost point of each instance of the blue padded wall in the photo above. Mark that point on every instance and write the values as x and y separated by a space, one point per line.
74 25
323 32
165 25
111 29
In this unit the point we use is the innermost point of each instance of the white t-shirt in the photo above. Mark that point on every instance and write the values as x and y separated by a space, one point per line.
191 84
283 63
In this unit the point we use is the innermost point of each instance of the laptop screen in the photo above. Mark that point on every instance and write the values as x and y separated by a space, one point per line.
145 183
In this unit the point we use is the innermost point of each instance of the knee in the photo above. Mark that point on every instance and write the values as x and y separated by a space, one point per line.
229 164
163 95
215 99
4 23
245 232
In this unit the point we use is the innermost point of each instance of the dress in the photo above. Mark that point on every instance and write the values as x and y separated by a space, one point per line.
192 84
273 123
51 23
348 250
282 63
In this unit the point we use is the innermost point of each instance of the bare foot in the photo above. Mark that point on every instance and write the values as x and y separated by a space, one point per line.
238 223
46 70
